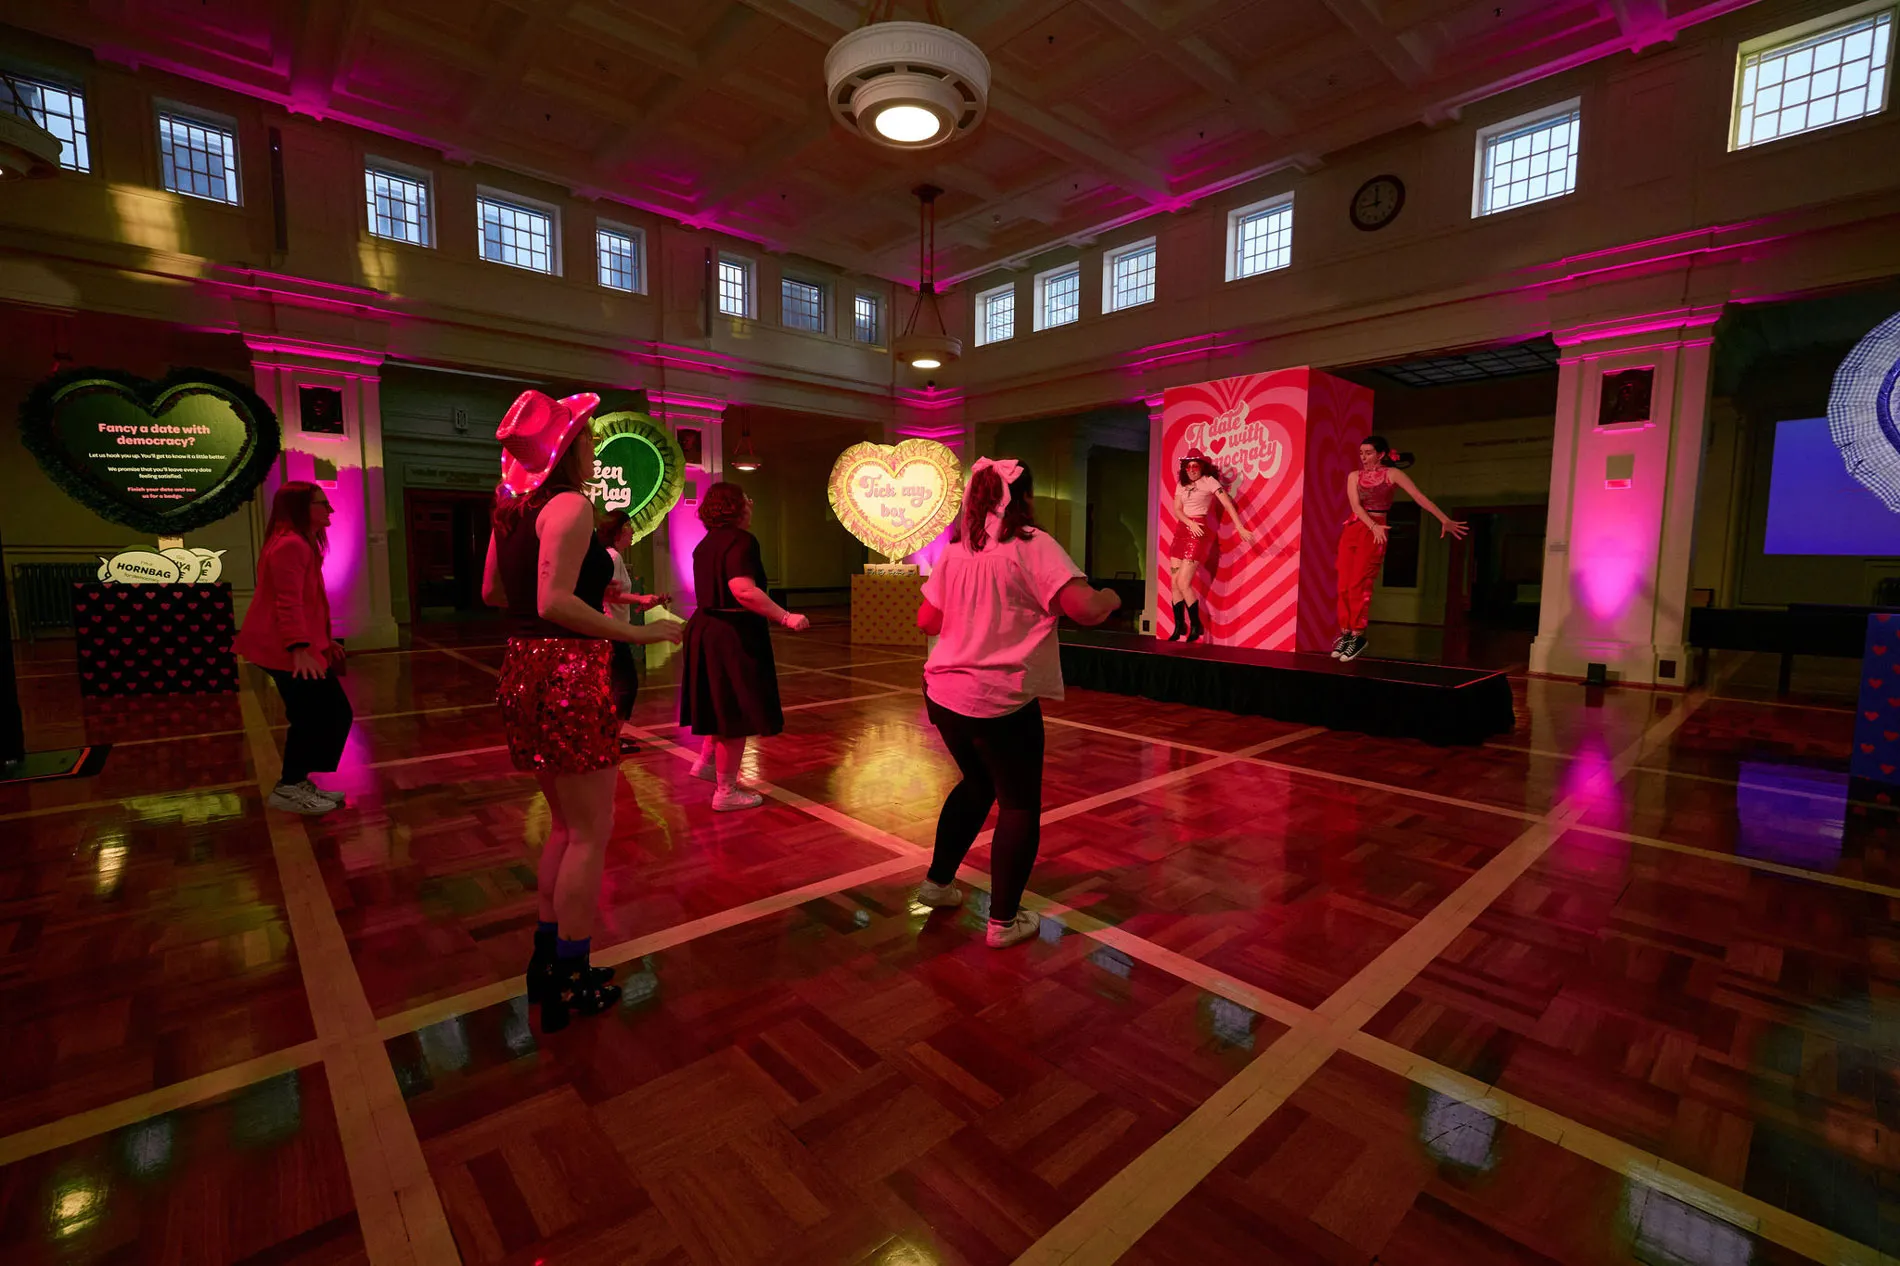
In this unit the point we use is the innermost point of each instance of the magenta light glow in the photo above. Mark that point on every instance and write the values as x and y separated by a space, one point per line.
684 532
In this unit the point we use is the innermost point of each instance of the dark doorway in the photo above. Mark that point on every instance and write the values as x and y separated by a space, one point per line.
1495 572
448 543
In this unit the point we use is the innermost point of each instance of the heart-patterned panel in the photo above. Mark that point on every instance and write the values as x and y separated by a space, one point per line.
154 639
896 498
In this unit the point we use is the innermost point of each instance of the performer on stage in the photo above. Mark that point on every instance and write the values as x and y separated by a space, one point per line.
1362 545
1196 540
551 574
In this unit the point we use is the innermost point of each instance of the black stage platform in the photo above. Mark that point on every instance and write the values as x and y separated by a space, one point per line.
1372 696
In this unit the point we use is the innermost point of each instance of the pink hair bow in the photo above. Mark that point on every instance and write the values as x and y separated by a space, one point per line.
1010 470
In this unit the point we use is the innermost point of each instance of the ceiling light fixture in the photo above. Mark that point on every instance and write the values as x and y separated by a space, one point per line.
919 348
27 150
745 457
907 85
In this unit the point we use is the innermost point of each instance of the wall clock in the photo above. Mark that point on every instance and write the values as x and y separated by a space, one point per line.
1377 203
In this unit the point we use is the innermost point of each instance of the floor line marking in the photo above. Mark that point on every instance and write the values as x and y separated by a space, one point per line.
284 725
87 805
1109 1221
398 1207
1735 859
428 1013
179 1094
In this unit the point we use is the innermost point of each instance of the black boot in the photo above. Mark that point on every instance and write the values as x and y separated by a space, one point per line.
541 969
1194 620
1180 622
573 987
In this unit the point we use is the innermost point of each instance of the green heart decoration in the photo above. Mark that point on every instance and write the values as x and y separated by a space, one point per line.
638 467
165 457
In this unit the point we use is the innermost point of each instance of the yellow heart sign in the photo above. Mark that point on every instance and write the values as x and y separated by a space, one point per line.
896 498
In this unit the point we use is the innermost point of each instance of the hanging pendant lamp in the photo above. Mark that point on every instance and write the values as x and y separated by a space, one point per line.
907 85
745 457
918 346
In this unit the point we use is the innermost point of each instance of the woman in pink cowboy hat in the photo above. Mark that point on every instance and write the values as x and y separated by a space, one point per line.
1196 539
546 567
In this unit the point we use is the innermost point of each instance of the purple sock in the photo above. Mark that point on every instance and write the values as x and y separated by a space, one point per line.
572 949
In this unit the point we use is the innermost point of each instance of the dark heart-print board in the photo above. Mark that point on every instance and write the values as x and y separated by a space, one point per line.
154 639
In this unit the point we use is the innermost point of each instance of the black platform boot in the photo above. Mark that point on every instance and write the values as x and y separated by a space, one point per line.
1180 622
541 969
1194 620
568 991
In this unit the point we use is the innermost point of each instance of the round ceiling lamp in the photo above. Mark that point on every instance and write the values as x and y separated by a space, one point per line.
918 346
907 85
27 150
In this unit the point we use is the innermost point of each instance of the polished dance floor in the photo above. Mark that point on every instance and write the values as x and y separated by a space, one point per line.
1622 986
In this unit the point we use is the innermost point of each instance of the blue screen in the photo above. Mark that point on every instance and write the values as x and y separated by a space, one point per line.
1815 506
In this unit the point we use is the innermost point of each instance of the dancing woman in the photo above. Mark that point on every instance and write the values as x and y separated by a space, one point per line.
1362 545
992 602
1196 540
547 568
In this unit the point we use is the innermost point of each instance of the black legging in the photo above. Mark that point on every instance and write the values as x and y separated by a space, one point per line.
1001 760
320 720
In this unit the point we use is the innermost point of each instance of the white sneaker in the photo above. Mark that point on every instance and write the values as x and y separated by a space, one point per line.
939 896
732 799
335 798
297 798
1021 928
705 771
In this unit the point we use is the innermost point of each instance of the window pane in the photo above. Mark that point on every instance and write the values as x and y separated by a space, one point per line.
866 325
735 288
61 111
1061 298
517 236
1263 240
619 258
1132 279
1532 163
398 206
1810 83
197 158
997 320
802 305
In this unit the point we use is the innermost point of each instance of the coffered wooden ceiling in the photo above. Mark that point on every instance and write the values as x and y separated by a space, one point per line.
713 111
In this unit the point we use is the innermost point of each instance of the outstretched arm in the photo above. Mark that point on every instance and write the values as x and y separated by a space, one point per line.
1447 526
1233 512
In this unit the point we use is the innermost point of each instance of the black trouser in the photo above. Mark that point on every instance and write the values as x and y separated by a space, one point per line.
624 677
320 720
1001 760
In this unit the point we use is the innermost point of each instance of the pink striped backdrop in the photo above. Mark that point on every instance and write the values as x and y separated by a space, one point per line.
1283 442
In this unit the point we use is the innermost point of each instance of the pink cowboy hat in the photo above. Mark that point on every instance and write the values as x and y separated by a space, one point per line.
535 433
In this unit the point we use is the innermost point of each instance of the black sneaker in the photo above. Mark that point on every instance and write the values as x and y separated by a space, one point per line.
1339 644
1355 647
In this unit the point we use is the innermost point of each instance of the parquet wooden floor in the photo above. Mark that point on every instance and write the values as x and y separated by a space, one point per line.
1616 989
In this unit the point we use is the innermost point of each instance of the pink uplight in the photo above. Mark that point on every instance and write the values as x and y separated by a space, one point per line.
684 533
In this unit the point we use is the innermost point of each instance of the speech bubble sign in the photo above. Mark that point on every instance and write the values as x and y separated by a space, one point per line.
896 498
141 567
188 564
210 565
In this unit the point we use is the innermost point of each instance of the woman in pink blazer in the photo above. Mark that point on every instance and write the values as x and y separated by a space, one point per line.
287 634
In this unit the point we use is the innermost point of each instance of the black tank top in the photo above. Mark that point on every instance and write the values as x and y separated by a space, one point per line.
518 559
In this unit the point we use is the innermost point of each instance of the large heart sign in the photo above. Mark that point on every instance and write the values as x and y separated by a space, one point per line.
164 457
896 498
638 468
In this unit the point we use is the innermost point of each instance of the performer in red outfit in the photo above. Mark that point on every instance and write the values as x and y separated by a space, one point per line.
1362 545
1196 539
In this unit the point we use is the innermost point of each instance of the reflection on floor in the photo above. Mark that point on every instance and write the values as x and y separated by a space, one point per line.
1618 987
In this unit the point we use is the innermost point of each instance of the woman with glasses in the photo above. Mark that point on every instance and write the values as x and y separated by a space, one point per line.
728 680
287 633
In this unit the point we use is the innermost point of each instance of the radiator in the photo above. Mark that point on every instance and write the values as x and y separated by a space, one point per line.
43 595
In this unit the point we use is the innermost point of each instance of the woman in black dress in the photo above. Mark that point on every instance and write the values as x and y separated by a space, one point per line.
728 682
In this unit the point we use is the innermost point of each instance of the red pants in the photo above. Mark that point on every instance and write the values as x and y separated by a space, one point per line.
1360 558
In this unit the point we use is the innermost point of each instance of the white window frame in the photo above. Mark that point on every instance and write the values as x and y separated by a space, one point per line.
1805 31
1239 215
877 318
982 338
751 289
402 171
1535 117
186 113
824 303
76 90
502 197
1111 258
1041 314
638 237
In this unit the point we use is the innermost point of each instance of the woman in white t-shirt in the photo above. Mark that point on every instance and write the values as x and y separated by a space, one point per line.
992 602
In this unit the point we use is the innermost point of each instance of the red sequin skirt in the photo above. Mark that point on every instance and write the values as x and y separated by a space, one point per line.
1203 549
557 705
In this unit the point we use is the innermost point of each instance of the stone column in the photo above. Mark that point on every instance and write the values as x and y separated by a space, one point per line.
1623 500
1157 471
673 545
349 466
